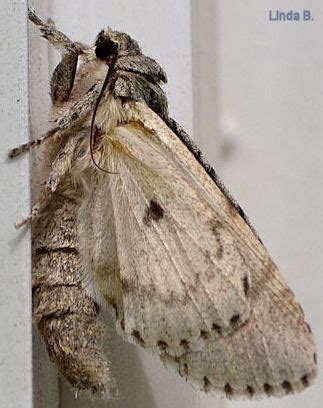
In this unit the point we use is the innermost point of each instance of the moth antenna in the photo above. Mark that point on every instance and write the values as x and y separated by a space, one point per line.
96 106
56 37
26 147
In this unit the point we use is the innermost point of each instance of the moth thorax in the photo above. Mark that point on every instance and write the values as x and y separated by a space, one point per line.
113 112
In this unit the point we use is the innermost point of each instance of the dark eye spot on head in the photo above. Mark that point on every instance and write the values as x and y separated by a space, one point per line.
105 47
153 213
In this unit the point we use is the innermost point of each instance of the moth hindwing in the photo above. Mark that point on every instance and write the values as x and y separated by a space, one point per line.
132 216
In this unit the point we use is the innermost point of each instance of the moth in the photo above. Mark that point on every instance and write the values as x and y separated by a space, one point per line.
130 215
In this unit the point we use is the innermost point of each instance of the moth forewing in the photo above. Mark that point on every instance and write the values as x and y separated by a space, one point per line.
276 332
143 224
168 247
160 225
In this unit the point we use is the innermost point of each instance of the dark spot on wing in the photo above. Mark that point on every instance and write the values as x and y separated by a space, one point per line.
162 345
305 381
137 337
153 213
250 391
287 387
228 390
204 334
216 328
206 384
246 285
315 358
185 345
157 212
268 389
215 226
183 371
235 319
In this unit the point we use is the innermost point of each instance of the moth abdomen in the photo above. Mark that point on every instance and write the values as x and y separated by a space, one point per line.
65 314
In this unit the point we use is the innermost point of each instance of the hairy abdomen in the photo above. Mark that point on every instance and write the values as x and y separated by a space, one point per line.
65 314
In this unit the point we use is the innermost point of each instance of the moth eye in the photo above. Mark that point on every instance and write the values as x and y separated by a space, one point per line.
105 48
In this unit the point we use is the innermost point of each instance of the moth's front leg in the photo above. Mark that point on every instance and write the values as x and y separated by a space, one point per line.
66 316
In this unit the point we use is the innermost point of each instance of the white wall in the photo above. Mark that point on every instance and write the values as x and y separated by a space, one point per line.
255 89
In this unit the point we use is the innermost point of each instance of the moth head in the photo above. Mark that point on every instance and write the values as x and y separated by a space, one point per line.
109 42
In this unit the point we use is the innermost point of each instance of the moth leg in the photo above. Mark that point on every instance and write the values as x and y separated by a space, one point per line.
17 151
80 109
69 119
60 166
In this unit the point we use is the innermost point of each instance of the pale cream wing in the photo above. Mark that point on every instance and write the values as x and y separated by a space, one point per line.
180 272
178 261
272 354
